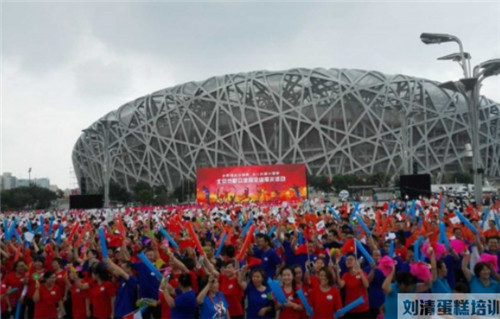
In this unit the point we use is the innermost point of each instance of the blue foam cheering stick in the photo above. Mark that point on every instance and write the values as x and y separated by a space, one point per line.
496 219
412 209
271 232
363 251
355 211
42 230
391 249
333 212
5 226
150 266
245 229
59 234
221 245
104 247
349 307
37 230
304 302
300 239
169 238
466 222
29 225
442 234
277 291
11 230
365 228
18 310
389 211
441 209
51 224
485 217
18 239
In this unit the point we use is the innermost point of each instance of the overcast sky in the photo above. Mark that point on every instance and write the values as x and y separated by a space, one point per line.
64 65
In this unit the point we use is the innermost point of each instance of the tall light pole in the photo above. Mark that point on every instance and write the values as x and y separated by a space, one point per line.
469 87
107 123
463 58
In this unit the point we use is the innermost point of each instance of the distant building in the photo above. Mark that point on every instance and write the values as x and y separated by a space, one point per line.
8 181
23 182
42 182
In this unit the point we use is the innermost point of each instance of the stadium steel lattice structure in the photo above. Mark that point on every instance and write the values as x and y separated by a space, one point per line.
336 121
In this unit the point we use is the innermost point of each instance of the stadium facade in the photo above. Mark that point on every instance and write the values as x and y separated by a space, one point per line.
336 121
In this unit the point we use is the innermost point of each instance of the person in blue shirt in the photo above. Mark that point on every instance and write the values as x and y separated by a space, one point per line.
260 301
184 305
212 301
439 271
376 278
148 285
127 292
405 283
263 251
480 282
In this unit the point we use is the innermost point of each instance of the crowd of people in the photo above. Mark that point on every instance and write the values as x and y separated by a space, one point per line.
293 260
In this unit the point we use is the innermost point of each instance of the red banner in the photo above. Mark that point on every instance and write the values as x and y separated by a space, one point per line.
258 184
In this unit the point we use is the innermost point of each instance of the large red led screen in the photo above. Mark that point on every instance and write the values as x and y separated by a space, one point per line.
243 184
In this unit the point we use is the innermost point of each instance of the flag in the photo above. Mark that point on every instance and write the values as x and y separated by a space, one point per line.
137 314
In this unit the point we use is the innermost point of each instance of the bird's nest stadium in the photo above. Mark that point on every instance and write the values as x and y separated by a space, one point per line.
336 121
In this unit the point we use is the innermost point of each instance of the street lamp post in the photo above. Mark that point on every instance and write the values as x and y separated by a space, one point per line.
469 87
107 124
463 58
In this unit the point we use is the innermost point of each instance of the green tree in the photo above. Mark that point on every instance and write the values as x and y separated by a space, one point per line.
185 191
381 179
32 197
119 193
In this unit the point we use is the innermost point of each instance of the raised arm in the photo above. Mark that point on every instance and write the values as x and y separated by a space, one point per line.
430 250
241 278
115 269
204 291
168 298
210 267
386 286
465 266
177 262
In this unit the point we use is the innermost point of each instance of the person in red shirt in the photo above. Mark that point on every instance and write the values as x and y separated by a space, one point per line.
16 279
355 283
47 298
300 283
325 299
4 297
60 274
231 289
293 308
35 272
79 289
102 293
